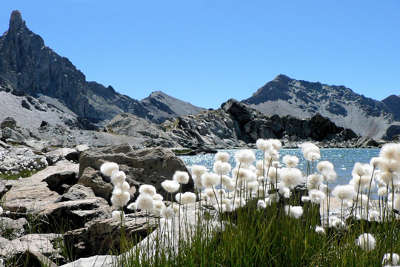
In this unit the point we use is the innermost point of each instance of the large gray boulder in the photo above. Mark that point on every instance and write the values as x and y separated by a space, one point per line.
8 122
93 179
142 166
45 244
103 236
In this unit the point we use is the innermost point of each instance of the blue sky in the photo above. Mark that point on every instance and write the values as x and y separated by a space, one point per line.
209 51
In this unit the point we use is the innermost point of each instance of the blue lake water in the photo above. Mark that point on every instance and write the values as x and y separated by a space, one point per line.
342 158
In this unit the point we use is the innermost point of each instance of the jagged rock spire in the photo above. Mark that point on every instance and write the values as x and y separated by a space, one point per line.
16 21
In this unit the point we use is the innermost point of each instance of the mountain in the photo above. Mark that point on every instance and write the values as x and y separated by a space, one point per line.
233 125
302 99
162 106
28 66
393 104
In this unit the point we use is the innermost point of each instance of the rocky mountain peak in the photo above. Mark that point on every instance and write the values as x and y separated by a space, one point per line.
282 78
303 99
158 93
16 21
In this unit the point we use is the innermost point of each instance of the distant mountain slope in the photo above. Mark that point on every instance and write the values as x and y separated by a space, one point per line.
393 104
28 66
302 99
162 106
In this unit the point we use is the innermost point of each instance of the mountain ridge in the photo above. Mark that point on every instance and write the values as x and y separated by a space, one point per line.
29 66
303 99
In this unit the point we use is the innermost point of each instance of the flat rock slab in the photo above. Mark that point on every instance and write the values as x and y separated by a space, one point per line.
42 243
33 194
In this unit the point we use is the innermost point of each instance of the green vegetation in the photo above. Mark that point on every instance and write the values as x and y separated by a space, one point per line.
268 237
15 176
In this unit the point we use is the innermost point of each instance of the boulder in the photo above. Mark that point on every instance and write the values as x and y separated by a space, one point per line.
11 135
45 244
81 148
77 192
61 181
142 166
8 122
94 180
392 133
32 258
3 188
60 154
103 236
74 214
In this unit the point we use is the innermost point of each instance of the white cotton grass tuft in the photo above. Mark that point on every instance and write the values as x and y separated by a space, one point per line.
290 161
198 170
325 167
221 168
314 181
245 156
125 186
187 198
210 179
390 151
167 212
120 198
157 207
284 191
158 197
272 155
316 196
360 169
170 186
241 174
118 177
366 242
276 144
274 175
117 215
336 222
294 211
145 202
319 230
107 168
147 189
263 145
178 197
291 177
344 192
310 151
222 156
261 204
389 166
181 177
374 162
390 259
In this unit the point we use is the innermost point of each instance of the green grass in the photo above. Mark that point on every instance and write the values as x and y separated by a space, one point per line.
268 237
15 176
183 151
